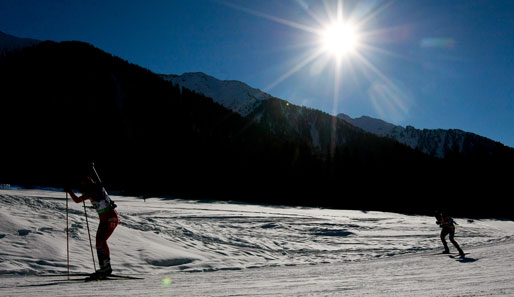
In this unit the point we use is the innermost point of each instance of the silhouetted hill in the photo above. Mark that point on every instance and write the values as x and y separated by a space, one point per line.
9 42
244 99
67 103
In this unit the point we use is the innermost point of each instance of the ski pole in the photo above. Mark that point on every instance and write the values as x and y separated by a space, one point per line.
67 239
89 234
96 173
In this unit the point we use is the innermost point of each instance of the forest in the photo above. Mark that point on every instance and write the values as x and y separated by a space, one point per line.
65 105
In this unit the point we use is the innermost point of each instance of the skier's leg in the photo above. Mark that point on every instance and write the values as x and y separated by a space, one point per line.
102 249
452 240
105 229
444 232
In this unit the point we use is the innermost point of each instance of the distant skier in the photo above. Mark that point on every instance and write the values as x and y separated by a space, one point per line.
105 208
448 227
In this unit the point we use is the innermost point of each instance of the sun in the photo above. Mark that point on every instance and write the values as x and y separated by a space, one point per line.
342 35
340 39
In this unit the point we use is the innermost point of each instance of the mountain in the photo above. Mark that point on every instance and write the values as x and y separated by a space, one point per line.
376 150
234 95
245 100
439 143
68 103
149 136
319 130
10 42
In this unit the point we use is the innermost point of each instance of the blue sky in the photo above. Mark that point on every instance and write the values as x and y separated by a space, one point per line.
426 63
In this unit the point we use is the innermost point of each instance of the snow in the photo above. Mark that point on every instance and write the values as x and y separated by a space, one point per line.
369 124
232 94
432 142
208 248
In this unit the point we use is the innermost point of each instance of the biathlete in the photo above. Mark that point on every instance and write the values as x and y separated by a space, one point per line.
105 208
447 225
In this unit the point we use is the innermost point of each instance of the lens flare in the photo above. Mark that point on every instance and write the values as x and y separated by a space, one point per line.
166 281
445 43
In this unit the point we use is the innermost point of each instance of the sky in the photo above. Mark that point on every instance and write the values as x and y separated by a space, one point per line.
426 63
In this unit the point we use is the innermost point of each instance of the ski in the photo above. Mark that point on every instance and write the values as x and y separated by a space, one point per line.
458 256
88 276
111 277
65 274
445 254
108 278
117 276
451 255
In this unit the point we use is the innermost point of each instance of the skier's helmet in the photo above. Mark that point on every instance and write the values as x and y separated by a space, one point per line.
86 183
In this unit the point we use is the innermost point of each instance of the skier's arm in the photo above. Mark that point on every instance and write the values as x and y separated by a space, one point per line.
77 199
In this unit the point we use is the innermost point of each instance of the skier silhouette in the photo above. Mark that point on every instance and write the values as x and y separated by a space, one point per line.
108 215
447 225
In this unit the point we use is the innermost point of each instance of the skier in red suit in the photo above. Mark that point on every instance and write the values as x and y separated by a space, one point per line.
105 208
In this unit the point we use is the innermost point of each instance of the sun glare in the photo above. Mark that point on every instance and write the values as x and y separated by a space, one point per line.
340 39
340 35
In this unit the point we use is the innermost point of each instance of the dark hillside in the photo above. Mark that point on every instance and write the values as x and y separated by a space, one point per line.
64 104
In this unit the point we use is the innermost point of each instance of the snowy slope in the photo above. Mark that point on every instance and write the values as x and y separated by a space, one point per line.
487 271
232 94
375 126
355 253
162 235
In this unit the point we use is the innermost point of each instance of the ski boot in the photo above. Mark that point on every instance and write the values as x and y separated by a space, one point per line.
102 273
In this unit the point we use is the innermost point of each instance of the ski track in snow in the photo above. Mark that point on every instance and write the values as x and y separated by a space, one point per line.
298 251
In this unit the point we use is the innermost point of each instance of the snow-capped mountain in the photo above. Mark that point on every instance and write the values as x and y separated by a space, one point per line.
368 124
232 94
280 117
245 100
9 42
434 142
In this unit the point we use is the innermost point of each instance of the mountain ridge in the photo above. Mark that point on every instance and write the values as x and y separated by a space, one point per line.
233 94
10 42
434 142
438 143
